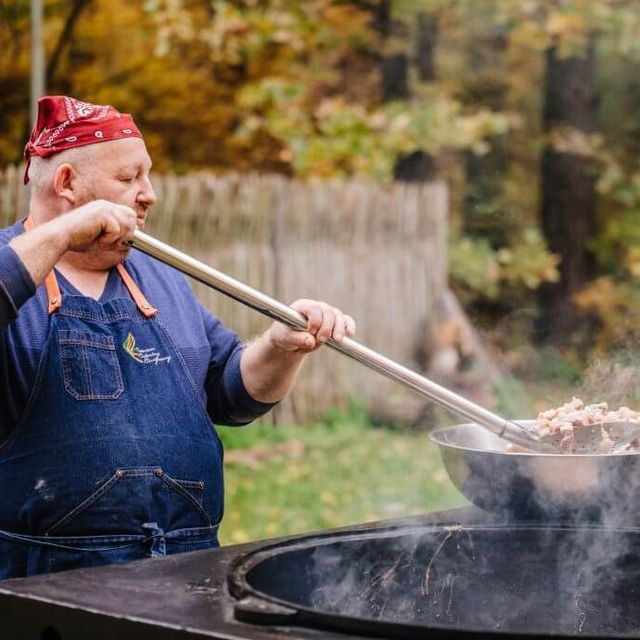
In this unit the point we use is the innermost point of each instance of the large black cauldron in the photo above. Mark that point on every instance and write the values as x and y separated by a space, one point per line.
436 581
455 574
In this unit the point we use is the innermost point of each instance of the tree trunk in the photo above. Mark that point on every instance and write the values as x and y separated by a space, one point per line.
77 7
395 77
567 186
393 68
382 22
485 86
426 35
485 179
418 165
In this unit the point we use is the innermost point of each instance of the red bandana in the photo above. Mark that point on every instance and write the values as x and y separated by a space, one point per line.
64 123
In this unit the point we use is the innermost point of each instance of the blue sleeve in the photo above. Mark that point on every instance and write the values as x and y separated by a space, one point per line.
16 285
228 401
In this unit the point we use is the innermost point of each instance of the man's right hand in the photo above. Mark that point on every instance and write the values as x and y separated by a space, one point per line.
99 223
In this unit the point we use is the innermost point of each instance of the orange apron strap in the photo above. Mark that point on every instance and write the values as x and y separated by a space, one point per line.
51 284
143 306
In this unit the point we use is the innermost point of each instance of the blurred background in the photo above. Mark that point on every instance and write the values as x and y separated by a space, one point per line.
462 177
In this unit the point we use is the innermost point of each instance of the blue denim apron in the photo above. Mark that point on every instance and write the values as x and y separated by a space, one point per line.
115 457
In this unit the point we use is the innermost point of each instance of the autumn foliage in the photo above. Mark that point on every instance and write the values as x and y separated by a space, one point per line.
299 88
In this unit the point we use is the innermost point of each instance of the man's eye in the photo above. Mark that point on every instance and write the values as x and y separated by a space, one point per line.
127 178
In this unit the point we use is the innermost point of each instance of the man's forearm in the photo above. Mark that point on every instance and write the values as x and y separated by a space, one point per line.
24 264
98 224
16 286
268 372
39 250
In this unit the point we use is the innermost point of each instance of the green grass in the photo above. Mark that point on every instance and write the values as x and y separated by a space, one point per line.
286 480
341 471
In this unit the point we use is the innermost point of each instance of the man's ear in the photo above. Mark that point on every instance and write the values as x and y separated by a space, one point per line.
65 182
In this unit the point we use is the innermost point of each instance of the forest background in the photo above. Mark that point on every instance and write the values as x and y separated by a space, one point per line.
527 109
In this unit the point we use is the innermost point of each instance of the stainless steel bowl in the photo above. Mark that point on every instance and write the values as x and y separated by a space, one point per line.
601 487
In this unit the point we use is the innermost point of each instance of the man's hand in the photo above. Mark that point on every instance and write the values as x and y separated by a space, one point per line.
96 225
323 322
99 223
270 363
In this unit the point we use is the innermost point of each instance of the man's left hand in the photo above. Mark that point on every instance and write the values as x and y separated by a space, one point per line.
323 322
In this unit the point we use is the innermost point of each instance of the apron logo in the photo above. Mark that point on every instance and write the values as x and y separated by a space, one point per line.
143 356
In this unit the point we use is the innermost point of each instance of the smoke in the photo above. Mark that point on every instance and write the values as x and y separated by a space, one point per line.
559 553
556 579
615 380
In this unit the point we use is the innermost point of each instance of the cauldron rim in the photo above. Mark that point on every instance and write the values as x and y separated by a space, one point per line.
255 606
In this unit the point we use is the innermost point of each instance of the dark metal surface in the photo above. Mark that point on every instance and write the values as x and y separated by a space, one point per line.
470 576
180 597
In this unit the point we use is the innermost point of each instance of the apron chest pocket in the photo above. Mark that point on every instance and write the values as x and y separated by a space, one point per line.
90 368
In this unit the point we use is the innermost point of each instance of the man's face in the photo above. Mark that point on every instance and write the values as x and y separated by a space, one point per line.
119 173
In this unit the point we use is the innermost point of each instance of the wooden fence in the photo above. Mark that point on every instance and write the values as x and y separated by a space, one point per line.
378 253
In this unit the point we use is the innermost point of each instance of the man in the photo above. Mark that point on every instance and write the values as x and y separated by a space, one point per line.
112 373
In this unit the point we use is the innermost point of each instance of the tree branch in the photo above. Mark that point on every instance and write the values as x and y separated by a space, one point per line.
64 38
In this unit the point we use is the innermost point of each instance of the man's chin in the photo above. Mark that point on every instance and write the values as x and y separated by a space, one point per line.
103 260
123 253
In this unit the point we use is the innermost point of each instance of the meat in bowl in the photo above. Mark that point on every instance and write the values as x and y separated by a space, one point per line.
567 420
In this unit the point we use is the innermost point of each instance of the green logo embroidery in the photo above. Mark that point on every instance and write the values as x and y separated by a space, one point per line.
143 356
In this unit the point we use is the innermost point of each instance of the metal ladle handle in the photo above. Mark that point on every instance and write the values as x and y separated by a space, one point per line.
277 311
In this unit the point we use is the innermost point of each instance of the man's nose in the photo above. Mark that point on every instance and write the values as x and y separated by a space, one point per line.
147 195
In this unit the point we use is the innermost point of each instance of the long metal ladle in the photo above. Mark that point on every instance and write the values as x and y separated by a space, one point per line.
502 427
